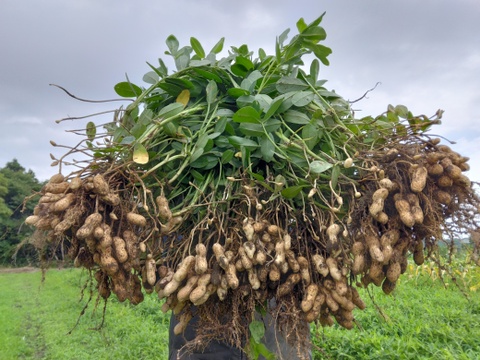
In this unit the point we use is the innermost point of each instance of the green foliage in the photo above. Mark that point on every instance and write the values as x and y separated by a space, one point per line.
4 209
213 119
257 348
16 184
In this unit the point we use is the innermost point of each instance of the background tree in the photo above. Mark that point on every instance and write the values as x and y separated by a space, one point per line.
16 183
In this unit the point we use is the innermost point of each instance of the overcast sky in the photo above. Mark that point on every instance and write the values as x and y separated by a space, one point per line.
425 54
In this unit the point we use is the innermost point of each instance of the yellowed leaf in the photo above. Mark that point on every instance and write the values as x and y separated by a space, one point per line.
183 97
140 154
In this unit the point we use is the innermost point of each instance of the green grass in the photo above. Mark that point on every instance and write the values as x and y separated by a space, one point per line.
35 320
421 320
424 321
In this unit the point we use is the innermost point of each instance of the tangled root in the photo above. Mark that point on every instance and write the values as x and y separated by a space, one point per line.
224 259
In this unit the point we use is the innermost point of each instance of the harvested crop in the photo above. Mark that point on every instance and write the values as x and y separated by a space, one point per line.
231 182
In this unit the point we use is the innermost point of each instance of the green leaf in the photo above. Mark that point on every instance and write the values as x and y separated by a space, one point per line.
170 110
402 111
283 36
138 130
293 53
127 140
321 52
317 20
287 101
197 176
311 135
204 62
262 54
292 191
301 25
211 91
263 350
140 154
257 330
287 84
248 85
267 149
249 129
227 156
218 46
91 130
197 47
242 50
258 177
247 114
172 44
221 124
181 83
242 66
273 108
254 76
314 34
208 74
296 117
272 125
146 117
303 98
170 128
278 51
239 141
314 69
245 62
196 154
237 92
245 151
205 162
245 100
151 77
319 166
127 89
335 174
160 71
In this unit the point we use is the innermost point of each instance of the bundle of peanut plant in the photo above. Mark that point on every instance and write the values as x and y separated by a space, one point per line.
231 182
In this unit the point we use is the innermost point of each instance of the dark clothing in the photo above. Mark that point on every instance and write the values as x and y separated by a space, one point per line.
273 340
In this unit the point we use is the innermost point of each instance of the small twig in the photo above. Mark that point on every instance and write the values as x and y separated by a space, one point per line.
86 116
86 100
364 96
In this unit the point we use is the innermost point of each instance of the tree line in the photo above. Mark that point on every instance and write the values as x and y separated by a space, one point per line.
17 200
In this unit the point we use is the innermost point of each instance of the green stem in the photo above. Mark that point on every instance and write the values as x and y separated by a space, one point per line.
160 164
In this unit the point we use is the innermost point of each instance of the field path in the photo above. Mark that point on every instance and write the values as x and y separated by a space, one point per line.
20 307
18 270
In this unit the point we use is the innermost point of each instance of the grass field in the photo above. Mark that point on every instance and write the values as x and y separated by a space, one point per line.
422 320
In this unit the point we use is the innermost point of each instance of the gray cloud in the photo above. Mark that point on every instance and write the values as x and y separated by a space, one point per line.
425 54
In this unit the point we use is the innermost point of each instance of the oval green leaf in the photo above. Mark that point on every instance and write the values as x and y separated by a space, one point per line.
292 191
239 141
127 89
319 166
91 130
197 47
287 84
212 91
247 114
296 117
